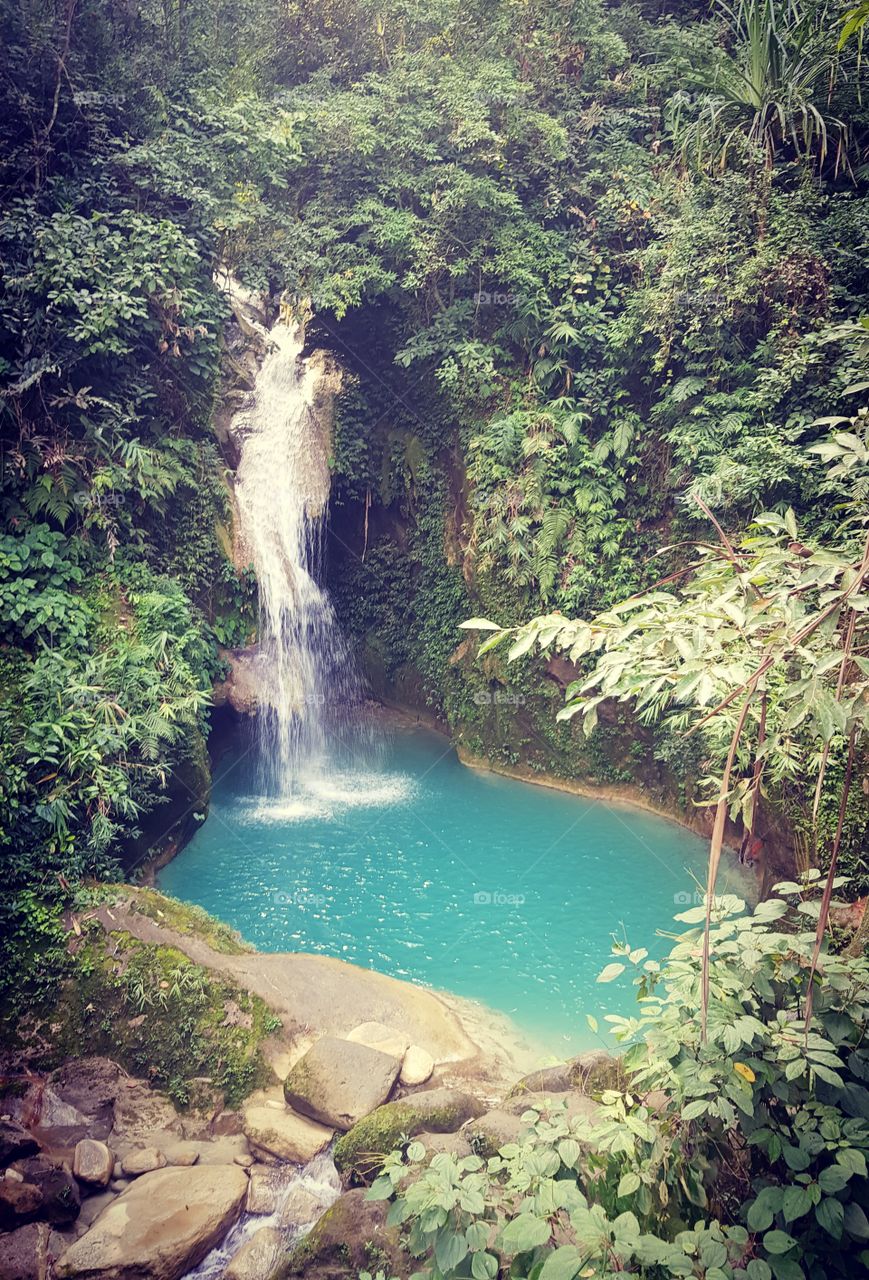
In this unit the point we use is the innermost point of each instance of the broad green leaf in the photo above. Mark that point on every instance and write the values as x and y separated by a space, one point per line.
562 1264
778 1242
524 1232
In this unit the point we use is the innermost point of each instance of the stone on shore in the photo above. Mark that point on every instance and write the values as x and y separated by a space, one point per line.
161 1227
145 1160
337 1082
417 1066
93 1162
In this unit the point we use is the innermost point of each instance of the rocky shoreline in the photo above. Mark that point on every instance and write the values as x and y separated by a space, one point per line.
104 1175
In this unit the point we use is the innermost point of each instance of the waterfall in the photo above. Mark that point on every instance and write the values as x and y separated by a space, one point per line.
307 677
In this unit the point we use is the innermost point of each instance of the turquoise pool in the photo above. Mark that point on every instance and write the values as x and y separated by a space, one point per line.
465 881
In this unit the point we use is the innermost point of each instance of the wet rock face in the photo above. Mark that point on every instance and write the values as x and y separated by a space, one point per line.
337 1082
161 1227
277 1133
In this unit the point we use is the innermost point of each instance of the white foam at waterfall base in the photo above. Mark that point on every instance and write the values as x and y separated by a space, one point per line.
319 1179
325 796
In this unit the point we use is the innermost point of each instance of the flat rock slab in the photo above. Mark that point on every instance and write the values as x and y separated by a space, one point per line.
338 1081
378 1036
274 1130
162 1226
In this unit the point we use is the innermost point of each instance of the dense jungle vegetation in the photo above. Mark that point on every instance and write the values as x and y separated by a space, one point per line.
598 274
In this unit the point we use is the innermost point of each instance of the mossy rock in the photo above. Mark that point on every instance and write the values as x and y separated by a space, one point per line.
596 1071
360 1153
351 1236
154 1011
184 918
546 1080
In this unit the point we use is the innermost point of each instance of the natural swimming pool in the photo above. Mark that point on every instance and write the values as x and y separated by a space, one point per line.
465 881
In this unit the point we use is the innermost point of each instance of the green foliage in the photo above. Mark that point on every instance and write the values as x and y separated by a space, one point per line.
38 583
89 736
150 1007
752 1159
770 90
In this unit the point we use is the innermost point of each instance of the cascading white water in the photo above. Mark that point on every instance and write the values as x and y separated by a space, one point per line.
307 677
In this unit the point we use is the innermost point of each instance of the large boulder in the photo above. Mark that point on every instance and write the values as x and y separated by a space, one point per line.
277 1133
359 1154
37 1189
77 1102
351 1236
337 1082
544 1080
140 1114
28 1252
256 1259
161 1227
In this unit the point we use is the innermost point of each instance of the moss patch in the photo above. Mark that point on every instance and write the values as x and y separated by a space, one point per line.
361 1151
184 918
154 1011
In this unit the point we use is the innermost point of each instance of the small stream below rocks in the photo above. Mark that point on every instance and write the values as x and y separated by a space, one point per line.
299 1196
